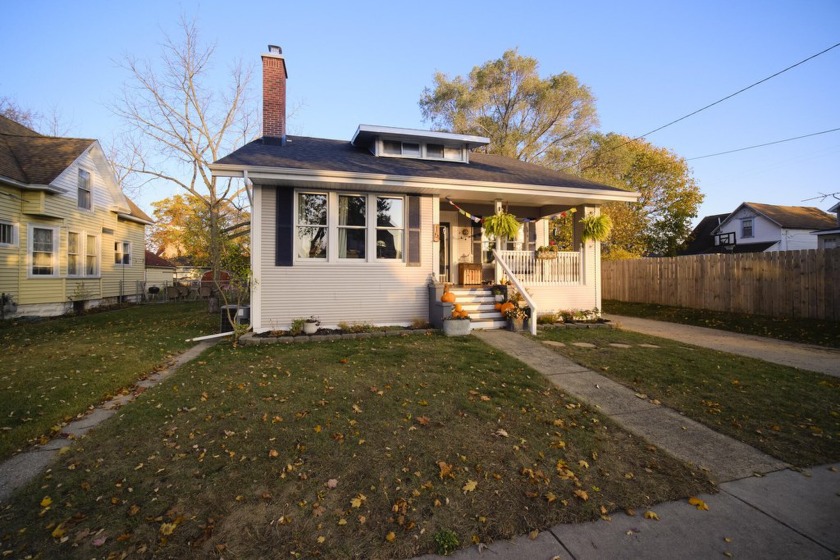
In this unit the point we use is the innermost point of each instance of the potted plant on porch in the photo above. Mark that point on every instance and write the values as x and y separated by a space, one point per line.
502 224
516 318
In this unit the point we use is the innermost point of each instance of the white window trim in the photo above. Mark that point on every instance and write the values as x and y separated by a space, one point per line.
15 234
90 189
424 153
30 238
752 228
81 251
123 253
333 227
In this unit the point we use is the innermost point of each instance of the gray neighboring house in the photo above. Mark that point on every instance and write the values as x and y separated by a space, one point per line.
757 228
356 230
829 238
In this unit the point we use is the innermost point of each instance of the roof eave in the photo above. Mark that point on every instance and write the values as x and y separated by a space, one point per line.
32 187
131 218
295 176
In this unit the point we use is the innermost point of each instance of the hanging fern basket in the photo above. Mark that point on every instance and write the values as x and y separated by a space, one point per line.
502 224
596 228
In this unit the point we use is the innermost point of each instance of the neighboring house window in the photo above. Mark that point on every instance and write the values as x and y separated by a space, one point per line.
389 227
747 227
352 226
43 242
73 257
82 255
8 234
122 253
92 256
84 189
311 226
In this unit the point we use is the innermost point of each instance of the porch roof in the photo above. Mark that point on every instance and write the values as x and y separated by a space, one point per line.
337 164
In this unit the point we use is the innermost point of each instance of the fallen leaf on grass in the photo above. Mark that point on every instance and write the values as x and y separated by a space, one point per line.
469 486
59 531
331 483
423 420
445 470
582 494
46 501
391 537
168 528
358 501
501 433
651 515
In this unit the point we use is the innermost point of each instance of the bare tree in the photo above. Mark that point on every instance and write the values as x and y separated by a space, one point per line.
179 122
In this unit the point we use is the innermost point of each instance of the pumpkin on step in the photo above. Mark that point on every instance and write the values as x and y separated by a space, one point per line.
498 306
447 297
505 307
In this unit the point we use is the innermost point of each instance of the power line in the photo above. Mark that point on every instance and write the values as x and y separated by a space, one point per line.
739 91
730 96
765 144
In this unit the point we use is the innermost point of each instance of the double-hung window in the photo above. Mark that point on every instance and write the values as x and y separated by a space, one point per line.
8 234
390 227
352 226
122 253
747 227
73 256
43 247
311 226
92 256
82 254
84 190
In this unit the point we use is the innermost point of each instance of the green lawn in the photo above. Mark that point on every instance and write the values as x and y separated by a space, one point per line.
808 331
787 413
55 369
371 448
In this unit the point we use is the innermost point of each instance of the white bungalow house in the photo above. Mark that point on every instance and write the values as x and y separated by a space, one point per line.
756 228
356 230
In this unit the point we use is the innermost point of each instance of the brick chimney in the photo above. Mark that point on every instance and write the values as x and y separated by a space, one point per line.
274 94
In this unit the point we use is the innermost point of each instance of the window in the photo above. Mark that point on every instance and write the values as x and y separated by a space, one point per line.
422 151
352 225
92 256
122 253
42 251
312 226
389 227
8 234
84 189
747 227
73 254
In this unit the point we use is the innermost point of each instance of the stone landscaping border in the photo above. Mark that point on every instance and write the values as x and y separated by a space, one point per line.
251 339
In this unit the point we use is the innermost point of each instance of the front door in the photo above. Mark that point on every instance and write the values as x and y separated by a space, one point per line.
444 267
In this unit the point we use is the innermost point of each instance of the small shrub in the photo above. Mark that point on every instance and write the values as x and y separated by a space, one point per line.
446 541
297 326
420 324
547 318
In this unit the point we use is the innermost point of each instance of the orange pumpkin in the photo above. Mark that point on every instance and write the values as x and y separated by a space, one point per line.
507 306
447 297
458 307
498 306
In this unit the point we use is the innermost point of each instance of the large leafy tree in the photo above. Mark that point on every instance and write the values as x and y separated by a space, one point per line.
179 121
525 116
551 121
181 231
660 221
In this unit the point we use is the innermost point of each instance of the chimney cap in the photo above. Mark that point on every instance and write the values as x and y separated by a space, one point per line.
274 49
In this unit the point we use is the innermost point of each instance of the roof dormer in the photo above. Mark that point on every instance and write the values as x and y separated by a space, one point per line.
386 141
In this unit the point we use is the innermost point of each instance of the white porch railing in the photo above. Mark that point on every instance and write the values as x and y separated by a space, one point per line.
500 262
565 269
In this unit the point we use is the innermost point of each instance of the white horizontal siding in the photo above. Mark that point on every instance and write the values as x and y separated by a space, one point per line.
368 292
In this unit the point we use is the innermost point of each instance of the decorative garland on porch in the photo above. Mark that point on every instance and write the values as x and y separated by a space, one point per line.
480 219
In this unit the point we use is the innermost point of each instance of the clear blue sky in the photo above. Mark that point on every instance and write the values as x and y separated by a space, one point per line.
647 63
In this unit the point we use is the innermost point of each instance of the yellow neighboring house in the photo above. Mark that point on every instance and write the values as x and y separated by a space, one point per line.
67 231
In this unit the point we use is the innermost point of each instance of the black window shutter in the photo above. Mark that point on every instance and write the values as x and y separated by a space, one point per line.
284 244
414 231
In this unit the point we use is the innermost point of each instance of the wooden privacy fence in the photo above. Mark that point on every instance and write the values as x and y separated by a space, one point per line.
802 284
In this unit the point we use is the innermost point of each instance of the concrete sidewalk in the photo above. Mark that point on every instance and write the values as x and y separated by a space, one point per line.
764 510
23 467
803 356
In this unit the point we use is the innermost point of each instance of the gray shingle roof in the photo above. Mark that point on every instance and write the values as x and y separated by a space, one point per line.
316 154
